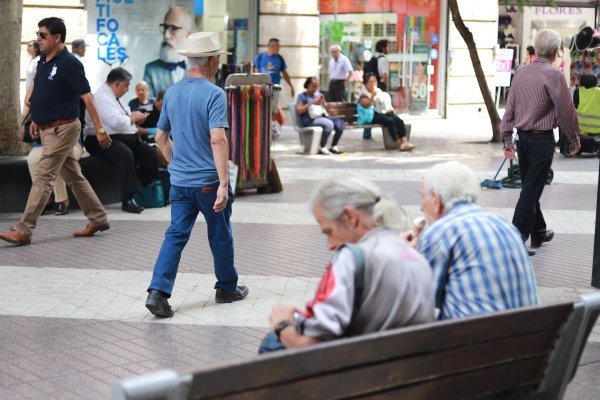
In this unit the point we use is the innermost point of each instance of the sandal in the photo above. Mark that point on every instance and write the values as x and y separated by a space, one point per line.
61 208
407 147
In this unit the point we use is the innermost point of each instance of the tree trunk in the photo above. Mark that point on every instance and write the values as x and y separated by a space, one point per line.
11 12
483 86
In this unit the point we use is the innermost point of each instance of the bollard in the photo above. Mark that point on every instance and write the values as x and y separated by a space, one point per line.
596 263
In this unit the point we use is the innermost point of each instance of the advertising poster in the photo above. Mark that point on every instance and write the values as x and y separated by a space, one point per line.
418 85
141 36
504 61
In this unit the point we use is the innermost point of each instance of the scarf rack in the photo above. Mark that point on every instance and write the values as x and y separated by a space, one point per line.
249 116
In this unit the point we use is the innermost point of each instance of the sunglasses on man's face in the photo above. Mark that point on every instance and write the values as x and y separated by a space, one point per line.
42 35
171 28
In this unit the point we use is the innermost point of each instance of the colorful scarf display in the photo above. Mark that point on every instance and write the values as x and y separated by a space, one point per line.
249 113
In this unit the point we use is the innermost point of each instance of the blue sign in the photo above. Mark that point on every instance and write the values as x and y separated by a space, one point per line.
435 38
110 49
433 54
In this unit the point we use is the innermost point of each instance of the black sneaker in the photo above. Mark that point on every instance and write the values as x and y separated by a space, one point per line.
538 240
158 305
223 296
131 206
335 150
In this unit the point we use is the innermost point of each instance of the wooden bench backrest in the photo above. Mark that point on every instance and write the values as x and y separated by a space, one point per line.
345 111
496 356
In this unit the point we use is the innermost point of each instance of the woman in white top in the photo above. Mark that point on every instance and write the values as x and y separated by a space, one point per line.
33 49
375 107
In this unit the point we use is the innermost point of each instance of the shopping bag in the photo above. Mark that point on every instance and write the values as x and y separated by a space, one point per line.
151 195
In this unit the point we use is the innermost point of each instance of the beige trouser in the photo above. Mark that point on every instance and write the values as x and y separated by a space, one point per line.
58 158
60 187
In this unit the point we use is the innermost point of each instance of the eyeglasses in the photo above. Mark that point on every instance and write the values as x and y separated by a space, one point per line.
42 35
171 28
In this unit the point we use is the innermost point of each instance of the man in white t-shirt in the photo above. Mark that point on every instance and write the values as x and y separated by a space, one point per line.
340 70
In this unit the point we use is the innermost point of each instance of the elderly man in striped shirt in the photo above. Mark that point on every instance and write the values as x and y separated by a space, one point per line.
480 264
539 101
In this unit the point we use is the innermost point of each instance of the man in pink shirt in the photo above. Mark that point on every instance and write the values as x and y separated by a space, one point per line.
538 102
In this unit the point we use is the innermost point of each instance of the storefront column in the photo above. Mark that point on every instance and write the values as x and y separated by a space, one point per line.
296 25
463 93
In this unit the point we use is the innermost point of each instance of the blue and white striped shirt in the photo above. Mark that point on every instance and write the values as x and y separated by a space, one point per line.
488 267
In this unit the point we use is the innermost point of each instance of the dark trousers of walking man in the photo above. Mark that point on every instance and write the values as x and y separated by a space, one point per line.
337 90
535 151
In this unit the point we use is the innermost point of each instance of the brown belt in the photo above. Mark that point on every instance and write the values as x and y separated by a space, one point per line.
56 123
208 189
537 132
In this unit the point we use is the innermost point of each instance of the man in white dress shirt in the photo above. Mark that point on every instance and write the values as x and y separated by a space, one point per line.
127 150
340 70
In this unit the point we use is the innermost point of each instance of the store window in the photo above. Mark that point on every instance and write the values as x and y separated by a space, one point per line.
144 36
412 28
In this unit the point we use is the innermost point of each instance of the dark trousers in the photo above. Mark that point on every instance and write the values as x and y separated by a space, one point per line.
186 204
337 90
131 156
535 151
393 123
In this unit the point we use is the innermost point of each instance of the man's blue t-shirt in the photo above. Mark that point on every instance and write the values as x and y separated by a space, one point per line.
191 108
57 88
272 65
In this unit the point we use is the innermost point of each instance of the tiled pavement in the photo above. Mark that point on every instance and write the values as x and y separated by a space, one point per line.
74 322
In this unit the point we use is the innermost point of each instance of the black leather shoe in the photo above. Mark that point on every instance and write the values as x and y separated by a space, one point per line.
223 296
158 305
546 237
131 206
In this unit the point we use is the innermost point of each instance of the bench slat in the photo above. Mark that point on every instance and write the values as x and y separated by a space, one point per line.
377 348
415 370
470 385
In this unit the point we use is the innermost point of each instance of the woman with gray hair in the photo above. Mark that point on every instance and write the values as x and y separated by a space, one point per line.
375 280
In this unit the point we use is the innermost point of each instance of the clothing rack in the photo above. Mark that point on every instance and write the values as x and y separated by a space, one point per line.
249 116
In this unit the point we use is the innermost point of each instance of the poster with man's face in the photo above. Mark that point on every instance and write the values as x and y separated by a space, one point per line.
142 36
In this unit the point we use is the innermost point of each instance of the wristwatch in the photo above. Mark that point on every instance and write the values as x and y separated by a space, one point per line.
281 326
102 130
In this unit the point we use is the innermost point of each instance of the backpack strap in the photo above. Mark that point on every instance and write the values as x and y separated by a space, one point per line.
359 281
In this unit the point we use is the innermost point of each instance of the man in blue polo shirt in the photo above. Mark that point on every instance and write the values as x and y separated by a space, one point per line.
272 63
194 112
59 84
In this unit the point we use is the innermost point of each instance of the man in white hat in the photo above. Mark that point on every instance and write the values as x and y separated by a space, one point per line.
194 113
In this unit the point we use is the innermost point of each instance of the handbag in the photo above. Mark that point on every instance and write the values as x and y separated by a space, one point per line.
316 111
151 195
26 137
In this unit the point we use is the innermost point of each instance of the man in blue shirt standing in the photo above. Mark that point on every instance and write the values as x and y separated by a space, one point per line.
479 261
194 113
272 63
59 85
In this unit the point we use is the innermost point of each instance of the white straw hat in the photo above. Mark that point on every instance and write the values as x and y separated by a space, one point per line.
202 44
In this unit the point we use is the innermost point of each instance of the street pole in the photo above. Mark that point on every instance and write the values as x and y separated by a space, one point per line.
596 264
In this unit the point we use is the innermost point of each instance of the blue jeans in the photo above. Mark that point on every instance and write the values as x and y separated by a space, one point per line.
270 343
186 203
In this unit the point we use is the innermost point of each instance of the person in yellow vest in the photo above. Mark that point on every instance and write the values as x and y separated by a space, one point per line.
587 102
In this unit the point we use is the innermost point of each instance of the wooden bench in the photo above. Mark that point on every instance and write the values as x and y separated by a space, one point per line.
311 135
529 352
